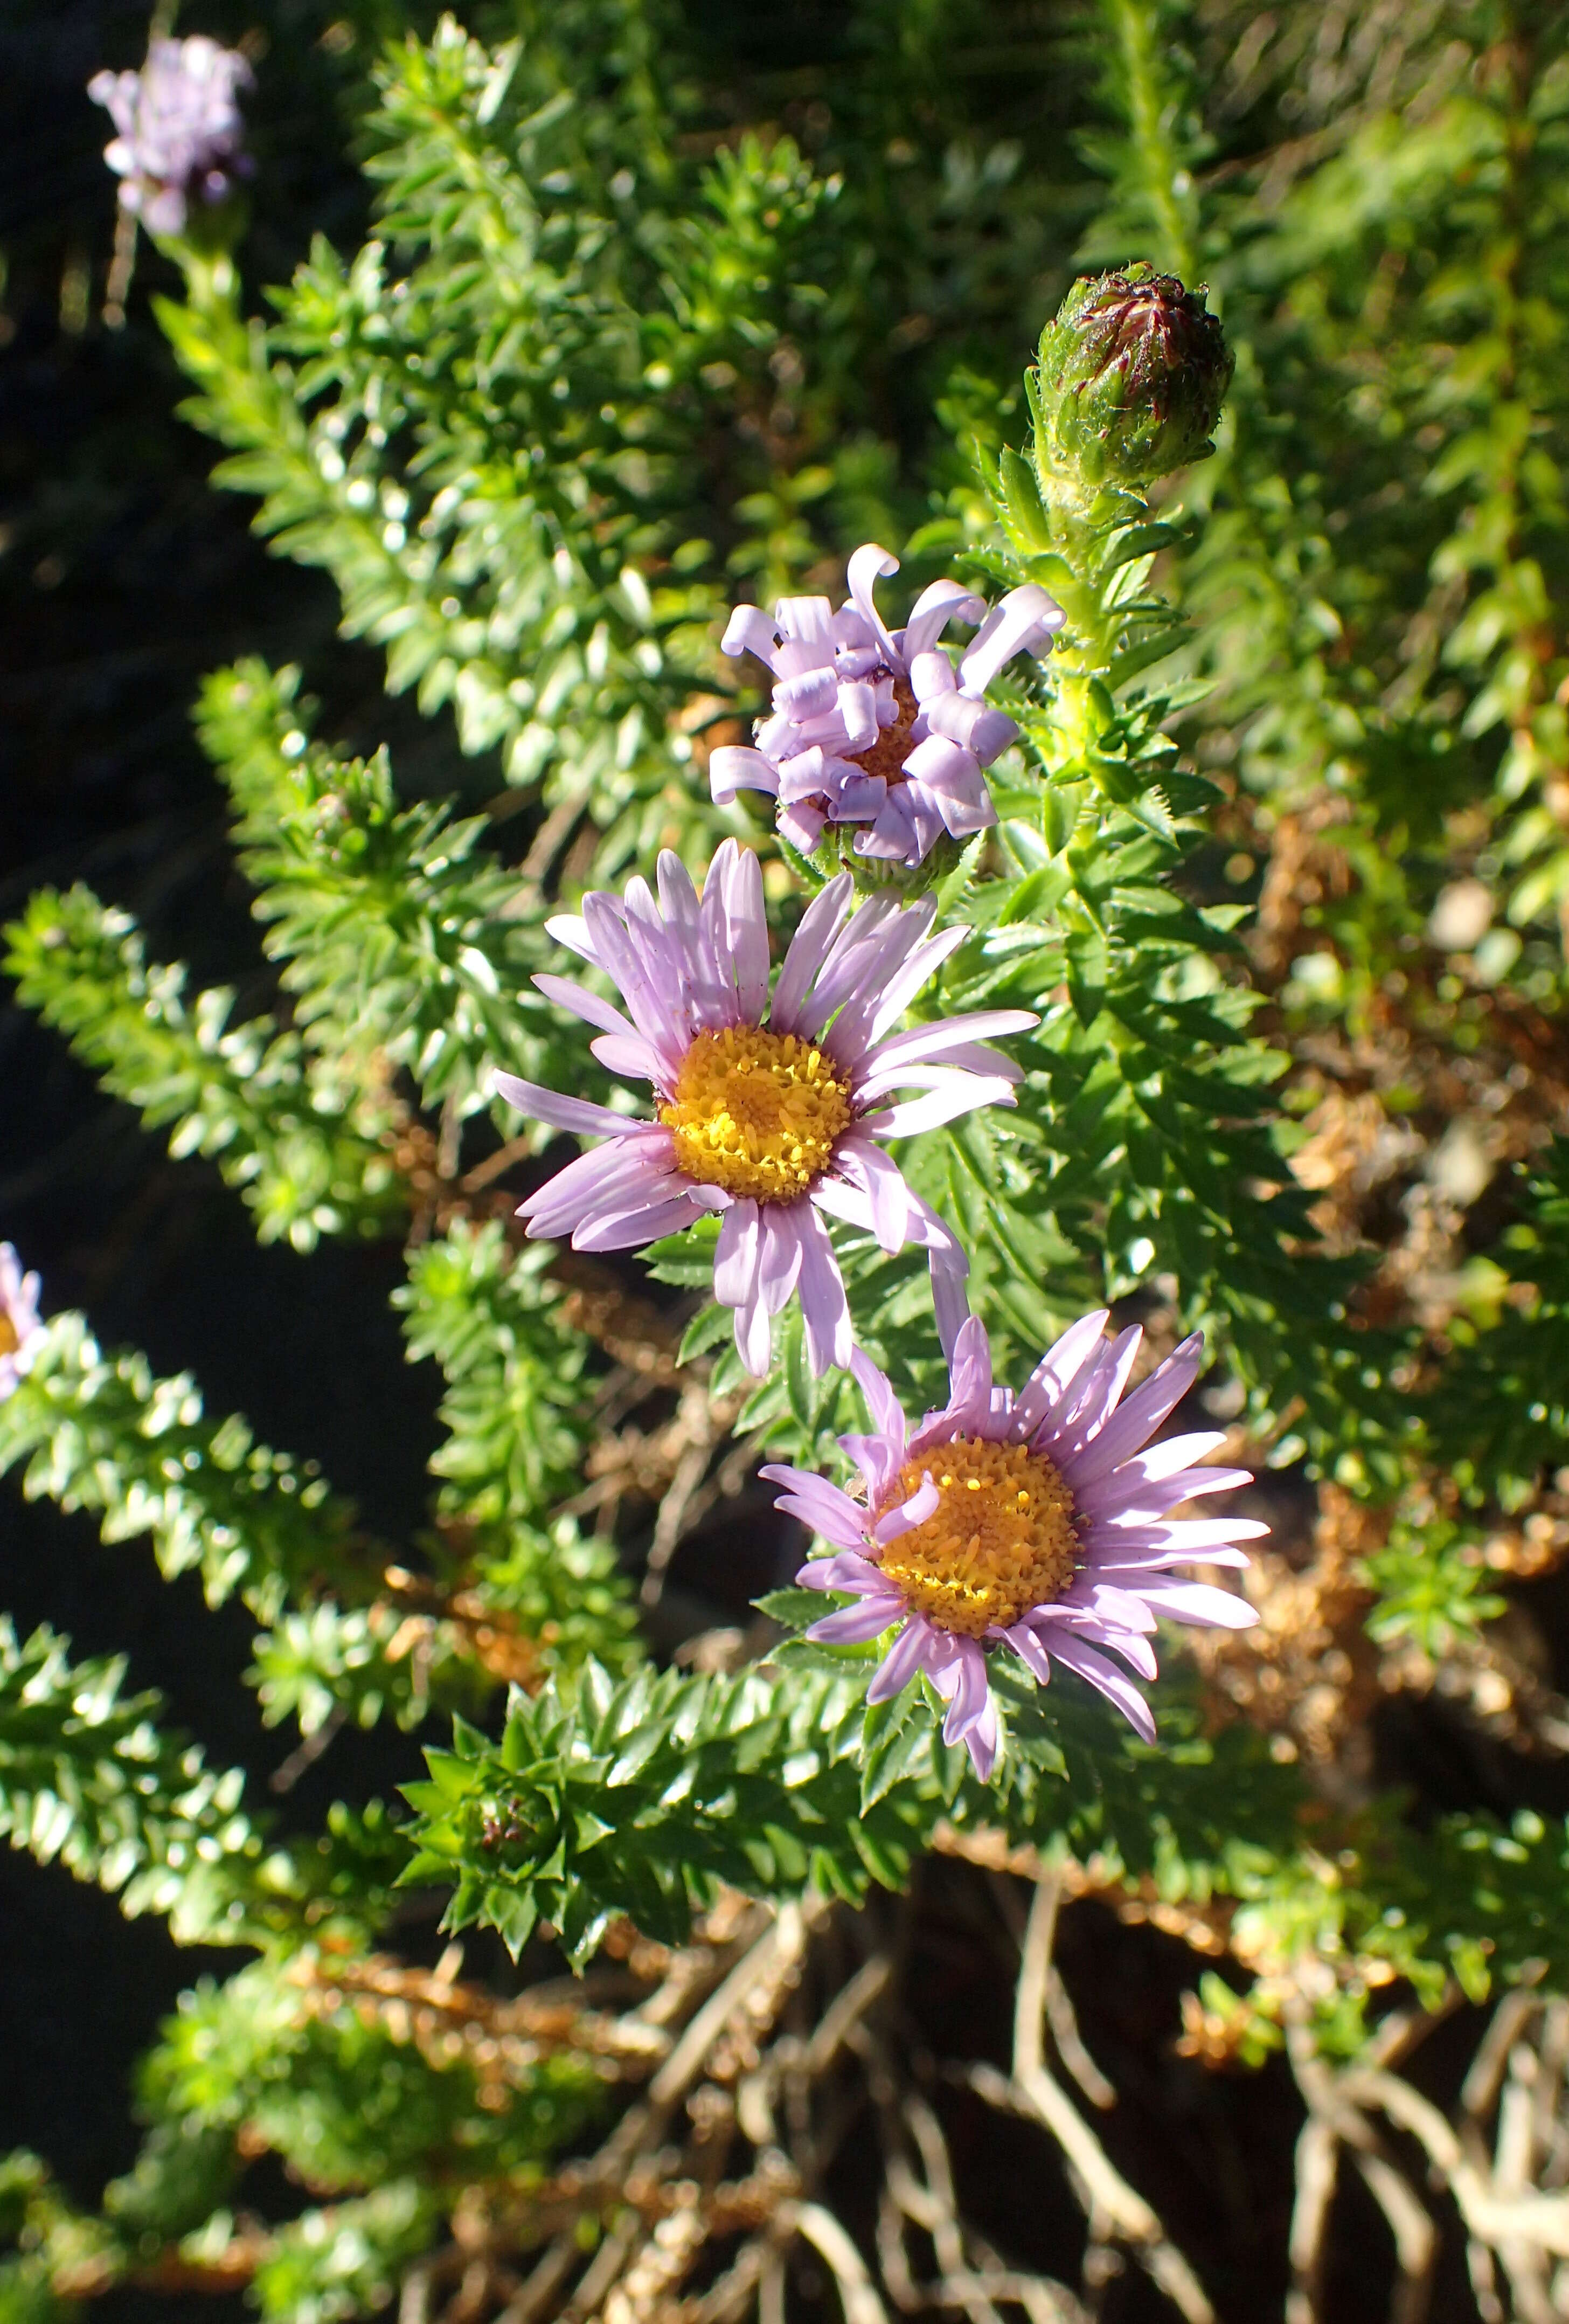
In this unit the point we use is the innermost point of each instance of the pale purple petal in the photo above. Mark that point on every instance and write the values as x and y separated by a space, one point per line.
1174 1453
1022 623
888 1414
753 1337
808 948
856 709
750 631
1106 1679
855 1625
733 768
965 1057
1138 1418
654 999
1027 1645
982 1741
950 773
779 1264
1127 1491
1057 1368
739 1253
1095 1401
1200 1603
1095 1629
923 1502
918 970
824 1309
559 1112
939 603
802 827
868 565
675 950
808 626
877 1460
629 1229
980 730
840 1200
847 1570
584 1004
921 1042
918 1646
19 1308
636 1165
1175 1541
811 695
861 957
629 1055
571 930
899 835
970 1379
857 1163
745 929
959 1095
972 1715
819 1504
950 1271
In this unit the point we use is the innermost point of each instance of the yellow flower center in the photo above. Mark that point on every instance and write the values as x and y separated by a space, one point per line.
1000 1541
757 1113
10 1337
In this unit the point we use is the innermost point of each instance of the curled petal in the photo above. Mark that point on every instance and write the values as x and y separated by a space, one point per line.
733 768
868 565
1021 624
750 631
939 603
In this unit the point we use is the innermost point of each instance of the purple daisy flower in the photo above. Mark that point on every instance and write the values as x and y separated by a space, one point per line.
876 726
1037 1521
769 1111
20 1328
179 126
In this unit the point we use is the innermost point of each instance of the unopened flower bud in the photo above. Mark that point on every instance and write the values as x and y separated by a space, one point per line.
1133 372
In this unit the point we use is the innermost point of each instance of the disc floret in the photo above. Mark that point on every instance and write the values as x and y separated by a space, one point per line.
756 1112
1000 1541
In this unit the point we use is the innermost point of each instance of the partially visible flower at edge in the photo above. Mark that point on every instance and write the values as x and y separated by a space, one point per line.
773 1124
20 1328
180 131
874 726
1037 1522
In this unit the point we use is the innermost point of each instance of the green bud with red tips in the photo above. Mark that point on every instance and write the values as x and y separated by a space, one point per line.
1133 372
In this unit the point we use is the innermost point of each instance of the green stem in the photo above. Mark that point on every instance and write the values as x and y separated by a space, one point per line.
1135 26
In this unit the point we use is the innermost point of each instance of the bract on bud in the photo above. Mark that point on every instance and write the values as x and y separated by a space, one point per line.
1133 372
